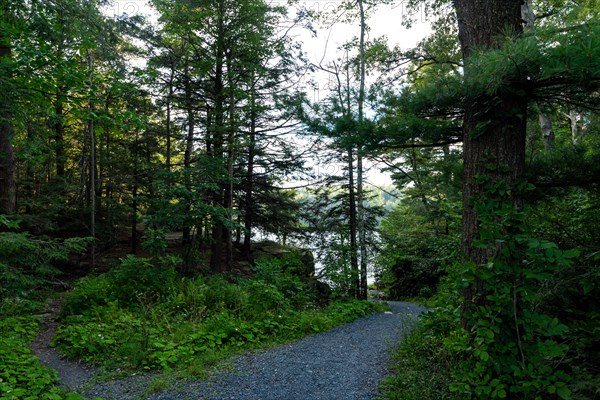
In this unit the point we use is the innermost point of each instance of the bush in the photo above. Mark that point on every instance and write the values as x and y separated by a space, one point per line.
284 275
89 293
222 295
139 279
261 300
29 262
422 367
192 319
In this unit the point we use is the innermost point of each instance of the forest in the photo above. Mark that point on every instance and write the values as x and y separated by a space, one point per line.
172 192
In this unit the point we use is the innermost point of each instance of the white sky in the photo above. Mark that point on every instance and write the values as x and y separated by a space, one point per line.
387 21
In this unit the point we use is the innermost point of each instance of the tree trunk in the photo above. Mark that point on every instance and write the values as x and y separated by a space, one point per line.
8 186
168 122
249 183
92 136
362 234
494 127
575 117
189 147
547 132
59 134
353 223
352 217
216 257
134 203
227 235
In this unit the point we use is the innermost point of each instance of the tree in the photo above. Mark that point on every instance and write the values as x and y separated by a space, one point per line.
8 202
231 78
494 127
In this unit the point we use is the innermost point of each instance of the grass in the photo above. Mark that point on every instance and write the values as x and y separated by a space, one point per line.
421 368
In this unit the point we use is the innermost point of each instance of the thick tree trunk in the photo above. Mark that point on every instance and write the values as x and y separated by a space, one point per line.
494 127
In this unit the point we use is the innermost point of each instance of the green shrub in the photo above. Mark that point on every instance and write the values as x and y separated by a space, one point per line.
107 335
29 261
90 292
141 316
189 299
284 274
139 279
223 295
422 368
261 299
512 348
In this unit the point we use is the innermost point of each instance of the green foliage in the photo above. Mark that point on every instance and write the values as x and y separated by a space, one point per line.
135 283
285 274
512 348
418 245
570 218
422 366
28 262
190 319
22 377
141 279
518 344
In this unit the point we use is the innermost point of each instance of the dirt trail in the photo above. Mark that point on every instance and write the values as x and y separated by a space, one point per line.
72 375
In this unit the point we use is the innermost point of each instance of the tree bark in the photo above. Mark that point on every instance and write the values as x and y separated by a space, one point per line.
189 147
249 183
547 132
59 134
216 257
575 117
92 136
362 234
353 222
494 126
8 187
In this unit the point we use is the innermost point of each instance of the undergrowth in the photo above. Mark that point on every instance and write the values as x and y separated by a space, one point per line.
27 265
22 376
144 316
512 341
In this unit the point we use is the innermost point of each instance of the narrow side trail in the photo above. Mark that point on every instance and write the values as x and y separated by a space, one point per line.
71 375
346 363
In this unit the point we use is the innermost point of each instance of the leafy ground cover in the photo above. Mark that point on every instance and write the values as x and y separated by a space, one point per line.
22 376
142 315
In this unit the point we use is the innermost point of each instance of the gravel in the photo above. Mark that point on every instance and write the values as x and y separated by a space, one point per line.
346 363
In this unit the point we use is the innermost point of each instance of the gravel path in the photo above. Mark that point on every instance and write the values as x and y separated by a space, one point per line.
71 375
345 363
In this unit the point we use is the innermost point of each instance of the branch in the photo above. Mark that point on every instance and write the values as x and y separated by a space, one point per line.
424 145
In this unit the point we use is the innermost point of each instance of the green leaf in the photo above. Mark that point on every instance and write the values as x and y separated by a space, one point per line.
564 393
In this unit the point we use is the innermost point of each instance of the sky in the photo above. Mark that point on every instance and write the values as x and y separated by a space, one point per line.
386 21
